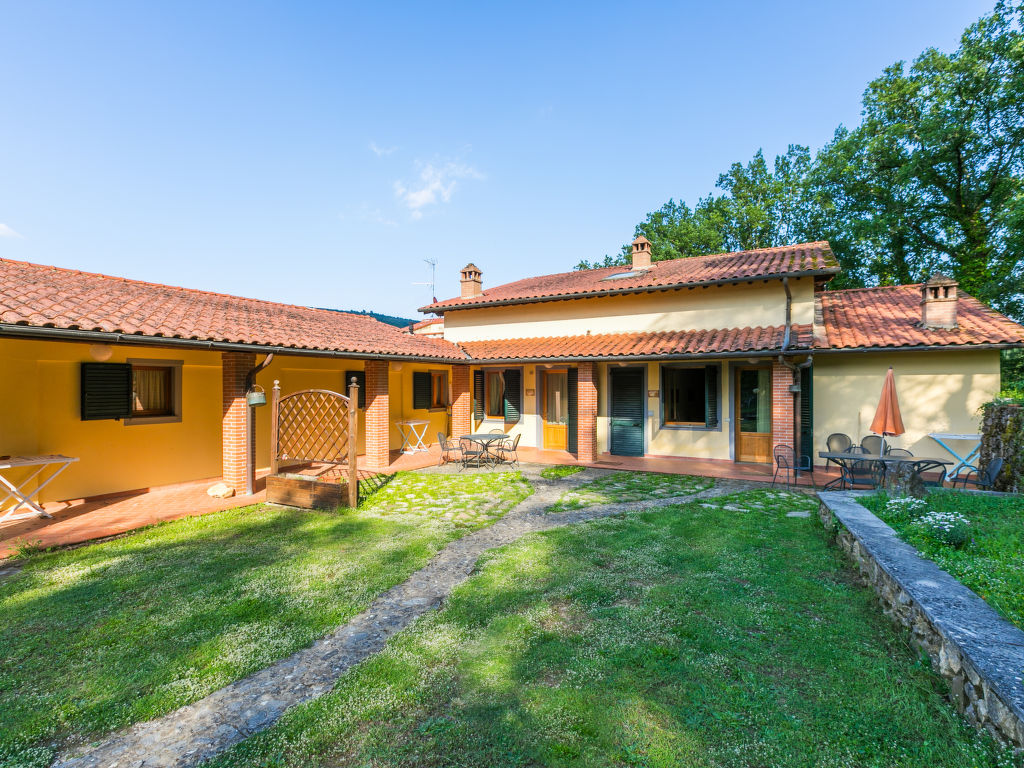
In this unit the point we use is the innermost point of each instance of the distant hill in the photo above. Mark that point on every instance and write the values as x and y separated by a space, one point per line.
399 322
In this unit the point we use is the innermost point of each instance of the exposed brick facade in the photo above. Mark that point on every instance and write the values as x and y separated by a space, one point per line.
462 401
586 422
782 405
378 415
234 368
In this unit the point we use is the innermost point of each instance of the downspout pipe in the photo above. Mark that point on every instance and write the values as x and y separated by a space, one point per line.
250 428
795 368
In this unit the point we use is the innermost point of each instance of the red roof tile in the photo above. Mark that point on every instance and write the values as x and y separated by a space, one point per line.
891 317
42 296
814 258
662 344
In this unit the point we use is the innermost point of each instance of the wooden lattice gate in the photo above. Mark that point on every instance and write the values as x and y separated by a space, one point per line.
316 425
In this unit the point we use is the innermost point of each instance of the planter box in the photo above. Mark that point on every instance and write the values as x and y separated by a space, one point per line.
306 492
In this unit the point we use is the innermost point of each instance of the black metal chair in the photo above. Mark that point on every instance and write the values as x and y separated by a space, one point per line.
450 450
983 480
872 444
858 473
473 453
899 453
924 465
837 442
508 451
786 463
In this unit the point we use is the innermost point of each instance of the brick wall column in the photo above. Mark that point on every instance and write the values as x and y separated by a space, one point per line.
462 401
234 367
782 405
378 415
586 418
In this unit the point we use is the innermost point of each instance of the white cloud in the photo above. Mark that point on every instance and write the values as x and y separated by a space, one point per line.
436 184
6 231
380 151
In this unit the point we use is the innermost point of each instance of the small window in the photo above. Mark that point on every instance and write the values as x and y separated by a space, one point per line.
684 396
152 391
438 389
495 395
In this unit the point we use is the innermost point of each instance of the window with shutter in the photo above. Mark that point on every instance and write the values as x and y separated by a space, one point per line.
360 377
513 395
478 395
438 389
152 393
711 396
421 389
106 391
495 394
690 396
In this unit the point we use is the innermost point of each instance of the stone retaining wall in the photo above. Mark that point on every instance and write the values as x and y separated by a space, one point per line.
977 651
1002 434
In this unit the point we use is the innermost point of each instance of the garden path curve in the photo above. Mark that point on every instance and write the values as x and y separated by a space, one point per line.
198 731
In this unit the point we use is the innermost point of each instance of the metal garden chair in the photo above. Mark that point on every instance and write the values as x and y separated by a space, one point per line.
508 452
837 442
983 480
872 444
787 464
450 450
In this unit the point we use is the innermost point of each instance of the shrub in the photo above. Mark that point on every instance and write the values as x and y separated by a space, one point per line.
950 528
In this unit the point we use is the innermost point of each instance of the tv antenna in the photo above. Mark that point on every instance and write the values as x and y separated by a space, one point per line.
433 270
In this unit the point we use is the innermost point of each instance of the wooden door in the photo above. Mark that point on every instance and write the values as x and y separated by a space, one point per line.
627 411
555 396
754 415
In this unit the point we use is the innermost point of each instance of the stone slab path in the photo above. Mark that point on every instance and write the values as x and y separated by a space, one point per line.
198 731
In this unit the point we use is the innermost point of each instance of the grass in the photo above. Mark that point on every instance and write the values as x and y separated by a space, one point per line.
720 634
119 632
992 561
559 471
629 486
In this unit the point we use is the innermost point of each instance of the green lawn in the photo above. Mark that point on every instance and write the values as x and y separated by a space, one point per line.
559 471
629 486
99 637
721 633
991 562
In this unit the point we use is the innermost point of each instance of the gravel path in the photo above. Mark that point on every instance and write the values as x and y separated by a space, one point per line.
198 731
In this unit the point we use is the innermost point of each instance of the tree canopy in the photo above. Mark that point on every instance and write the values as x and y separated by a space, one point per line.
930 180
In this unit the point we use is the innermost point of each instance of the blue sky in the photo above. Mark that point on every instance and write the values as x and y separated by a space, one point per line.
317 153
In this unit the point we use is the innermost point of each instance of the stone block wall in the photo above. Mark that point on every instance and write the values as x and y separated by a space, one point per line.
1002 434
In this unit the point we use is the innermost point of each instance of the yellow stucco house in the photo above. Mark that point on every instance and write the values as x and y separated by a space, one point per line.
714 357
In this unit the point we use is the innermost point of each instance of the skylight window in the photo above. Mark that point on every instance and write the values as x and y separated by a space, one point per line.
621 275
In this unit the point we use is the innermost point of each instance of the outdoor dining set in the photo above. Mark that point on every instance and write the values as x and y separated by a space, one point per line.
481 449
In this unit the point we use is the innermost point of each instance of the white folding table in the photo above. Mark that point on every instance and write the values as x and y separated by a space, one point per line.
962 462
22 496
413 431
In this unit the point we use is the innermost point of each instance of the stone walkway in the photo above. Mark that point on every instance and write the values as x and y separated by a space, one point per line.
198 731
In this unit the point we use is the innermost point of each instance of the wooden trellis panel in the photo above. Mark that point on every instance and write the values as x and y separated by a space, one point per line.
316 425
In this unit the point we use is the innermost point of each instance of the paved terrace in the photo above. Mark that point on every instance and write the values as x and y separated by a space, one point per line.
79 520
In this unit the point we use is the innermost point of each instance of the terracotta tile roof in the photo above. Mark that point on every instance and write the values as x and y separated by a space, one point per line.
43 296
814 258
891 317
423 323
666 344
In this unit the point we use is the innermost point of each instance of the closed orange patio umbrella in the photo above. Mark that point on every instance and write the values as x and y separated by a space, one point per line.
888 420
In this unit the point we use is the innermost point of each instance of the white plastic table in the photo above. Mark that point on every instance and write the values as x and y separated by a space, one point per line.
23 497
413 431
962 462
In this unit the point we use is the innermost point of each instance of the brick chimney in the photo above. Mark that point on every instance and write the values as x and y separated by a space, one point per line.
472 281
939 302
641 253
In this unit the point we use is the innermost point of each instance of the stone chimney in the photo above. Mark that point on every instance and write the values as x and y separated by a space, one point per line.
472 281
641 253
938 302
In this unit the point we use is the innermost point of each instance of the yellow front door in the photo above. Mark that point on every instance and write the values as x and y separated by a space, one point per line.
555 398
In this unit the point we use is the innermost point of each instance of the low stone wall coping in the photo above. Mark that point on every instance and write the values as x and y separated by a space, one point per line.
993 646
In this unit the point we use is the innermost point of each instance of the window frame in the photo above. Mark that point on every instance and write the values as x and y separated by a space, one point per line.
488 373
692 426
173 414
439 389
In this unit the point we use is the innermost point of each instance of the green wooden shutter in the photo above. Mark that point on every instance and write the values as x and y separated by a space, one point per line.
807 412
106 391
421 389
711 396
574 416
627 408
513 395
478 395
360 377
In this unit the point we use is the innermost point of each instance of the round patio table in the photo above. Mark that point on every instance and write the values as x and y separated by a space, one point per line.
486 440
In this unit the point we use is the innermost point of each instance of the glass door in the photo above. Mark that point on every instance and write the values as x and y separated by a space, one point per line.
754 415
556 409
